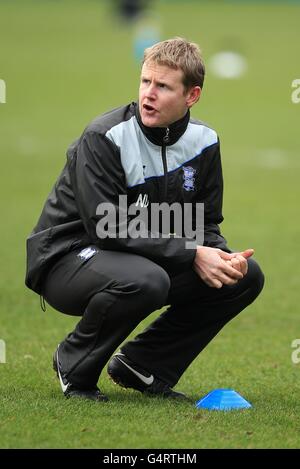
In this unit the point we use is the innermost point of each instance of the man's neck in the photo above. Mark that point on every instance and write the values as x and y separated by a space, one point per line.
156 134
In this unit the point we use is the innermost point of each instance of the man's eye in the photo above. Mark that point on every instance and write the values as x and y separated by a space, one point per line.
144 80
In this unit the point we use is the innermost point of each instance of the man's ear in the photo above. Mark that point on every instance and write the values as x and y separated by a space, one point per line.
193 96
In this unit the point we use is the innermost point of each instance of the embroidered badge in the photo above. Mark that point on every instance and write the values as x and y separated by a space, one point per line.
189 178
86 253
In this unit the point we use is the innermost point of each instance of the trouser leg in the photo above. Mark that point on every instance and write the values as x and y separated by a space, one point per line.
113 292
197 313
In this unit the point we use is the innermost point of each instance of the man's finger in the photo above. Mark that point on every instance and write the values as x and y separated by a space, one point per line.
231 271
226 280
239 263
215 283
247 253
243 264
226 256
235 262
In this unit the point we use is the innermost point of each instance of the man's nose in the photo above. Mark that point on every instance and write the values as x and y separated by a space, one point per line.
150 92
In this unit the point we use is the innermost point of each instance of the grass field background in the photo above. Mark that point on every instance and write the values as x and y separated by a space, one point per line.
66 62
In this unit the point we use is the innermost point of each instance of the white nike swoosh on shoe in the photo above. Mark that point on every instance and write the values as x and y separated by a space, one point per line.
147 380
64 387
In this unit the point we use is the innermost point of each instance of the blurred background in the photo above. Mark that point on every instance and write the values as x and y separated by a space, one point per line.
63 62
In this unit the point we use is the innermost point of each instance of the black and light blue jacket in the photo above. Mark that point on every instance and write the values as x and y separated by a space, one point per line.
118 155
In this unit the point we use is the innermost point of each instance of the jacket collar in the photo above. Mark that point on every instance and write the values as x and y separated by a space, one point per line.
161 135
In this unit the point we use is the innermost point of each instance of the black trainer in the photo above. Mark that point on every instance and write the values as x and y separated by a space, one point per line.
129 375
70 390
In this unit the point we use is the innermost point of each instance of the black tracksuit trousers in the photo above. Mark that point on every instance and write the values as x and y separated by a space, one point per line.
114 291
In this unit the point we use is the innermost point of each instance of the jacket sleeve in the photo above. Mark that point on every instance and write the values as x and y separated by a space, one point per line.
98 178
213 201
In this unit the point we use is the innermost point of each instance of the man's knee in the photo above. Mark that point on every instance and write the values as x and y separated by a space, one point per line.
255 278
142 294
154 284
145 289
246 290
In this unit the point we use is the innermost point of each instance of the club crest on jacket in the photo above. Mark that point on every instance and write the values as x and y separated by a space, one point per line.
189 178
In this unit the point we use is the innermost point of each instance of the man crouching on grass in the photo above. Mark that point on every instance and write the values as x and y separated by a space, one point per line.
152 152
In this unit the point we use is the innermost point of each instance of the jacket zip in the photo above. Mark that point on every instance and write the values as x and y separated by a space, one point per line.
166 140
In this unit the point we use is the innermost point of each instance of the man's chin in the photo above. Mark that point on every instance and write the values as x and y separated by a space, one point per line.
151 121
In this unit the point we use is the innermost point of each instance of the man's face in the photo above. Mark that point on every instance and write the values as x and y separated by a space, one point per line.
162 96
